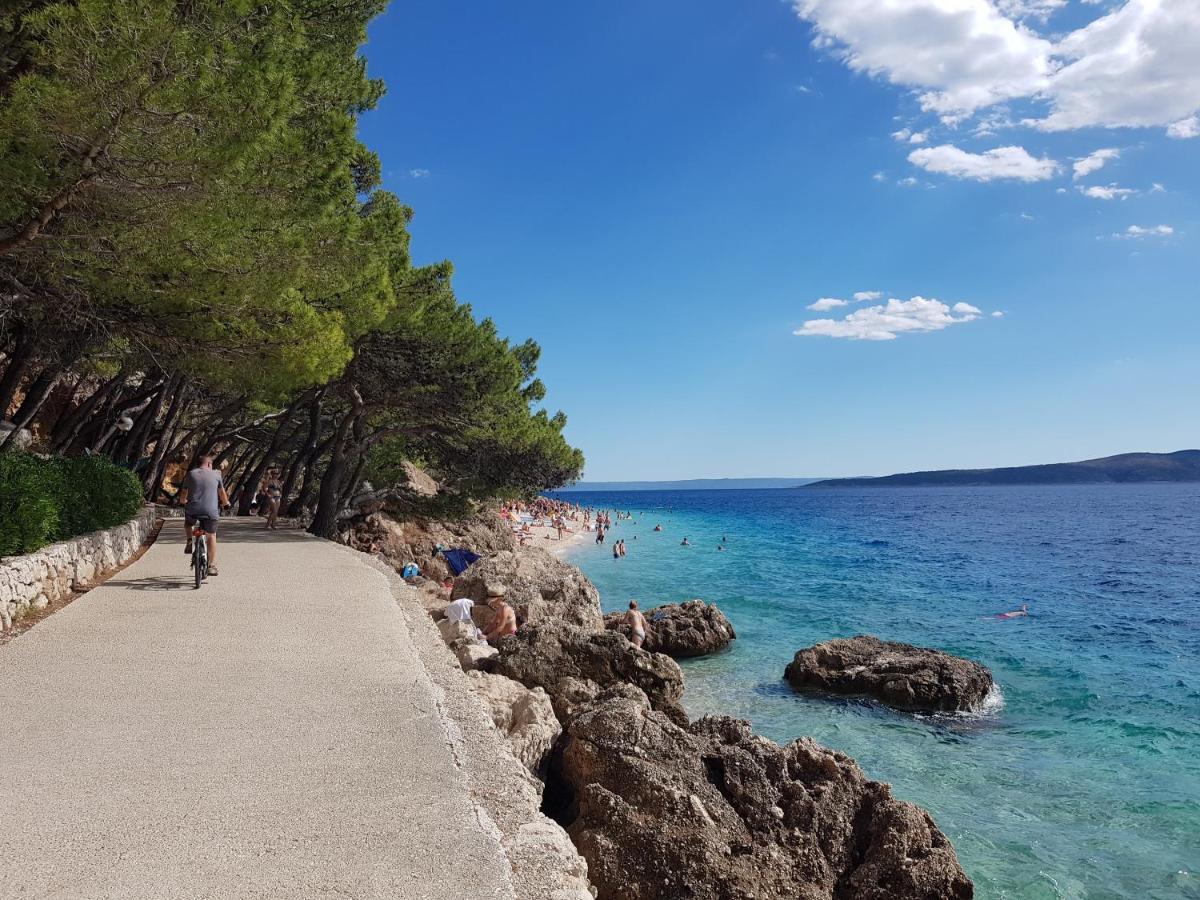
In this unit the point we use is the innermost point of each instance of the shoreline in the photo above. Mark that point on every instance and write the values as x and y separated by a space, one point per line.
546 537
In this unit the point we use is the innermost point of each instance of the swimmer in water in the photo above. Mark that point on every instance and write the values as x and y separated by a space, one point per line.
1016 613
658 528
684 543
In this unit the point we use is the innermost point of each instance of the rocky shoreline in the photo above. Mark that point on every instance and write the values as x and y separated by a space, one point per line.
657 805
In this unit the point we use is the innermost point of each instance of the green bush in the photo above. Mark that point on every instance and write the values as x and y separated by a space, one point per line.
45 500
29 503
96 493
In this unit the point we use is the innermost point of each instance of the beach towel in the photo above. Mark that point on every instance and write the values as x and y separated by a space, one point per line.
459 559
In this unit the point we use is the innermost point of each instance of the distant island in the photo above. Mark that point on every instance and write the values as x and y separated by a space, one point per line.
693 484
1125 468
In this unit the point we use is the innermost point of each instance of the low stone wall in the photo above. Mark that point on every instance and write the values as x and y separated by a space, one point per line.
38 579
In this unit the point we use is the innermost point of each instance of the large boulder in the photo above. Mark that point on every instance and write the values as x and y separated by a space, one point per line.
572 664
714 812
540 587
522 715
415 539
900 675
691 628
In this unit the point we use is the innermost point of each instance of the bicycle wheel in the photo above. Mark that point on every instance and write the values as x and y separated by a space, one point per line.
199 562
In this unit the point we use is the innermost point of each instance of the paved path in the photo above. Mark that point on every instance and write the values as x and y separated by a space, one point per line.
270 735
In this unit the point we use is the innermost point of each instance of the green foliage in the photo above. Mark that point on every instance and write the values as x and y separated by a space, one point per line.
46 500
95 494
29 509
210 174
183 192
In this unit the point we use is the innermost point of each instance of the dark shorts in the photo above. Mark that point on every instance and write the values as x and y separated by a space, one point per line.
208 523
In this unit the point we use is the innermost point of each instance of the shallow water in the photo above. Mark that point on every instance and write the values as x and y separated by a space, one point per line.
1085 782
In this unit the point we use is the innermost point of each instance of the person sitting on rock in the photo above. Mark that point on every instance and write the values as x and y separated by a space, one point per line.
460 611
504 622
637 622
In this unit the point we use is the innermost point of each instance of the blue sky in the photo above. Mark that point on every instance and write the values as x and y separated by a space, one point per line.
658 192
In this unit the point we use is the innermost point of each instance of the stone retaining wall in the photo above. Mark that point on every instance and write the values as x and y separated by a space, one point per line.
51 574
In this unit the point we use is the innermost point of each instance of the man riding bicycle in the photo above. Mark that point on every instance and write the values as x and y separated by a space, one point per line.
203 495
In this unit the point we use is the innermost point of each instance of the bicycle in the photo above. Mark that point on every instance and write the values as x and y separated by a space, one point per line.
199 553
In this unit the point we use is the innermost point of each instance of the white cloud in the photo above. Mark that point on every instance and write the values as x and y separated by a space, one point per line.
1002 162
1138 231
826 303
902 135
961 55
918 137
418 173
896 317
1030 9
1027 217
1060 190
997 315
1185 128
1109 192
907 182
878 176
1133 66
1093 162
864 296
803 89
1157 188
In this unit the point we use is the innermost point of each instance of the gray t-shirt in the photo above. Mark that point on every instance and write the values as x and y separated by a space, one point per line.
203 492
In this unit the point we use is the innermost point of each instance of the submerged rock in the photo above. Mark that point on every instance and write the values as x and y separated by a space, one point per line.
572 664
714 812
681 630
911 678
539 586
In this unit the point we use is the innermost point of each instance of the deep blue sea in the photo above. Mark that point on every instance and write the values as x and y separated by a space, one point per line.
1085 782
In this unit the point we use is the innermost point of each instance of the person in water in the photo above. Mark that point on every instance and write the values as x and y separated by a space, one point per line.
636 621
1016 613
684 543
658 528
617 550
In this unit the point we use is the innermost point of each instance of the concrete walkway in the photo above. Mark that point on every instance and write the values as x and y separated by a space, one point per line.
270 735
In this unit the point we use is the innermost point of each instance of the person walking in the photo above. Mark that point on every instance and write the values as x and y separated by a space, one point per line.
273 495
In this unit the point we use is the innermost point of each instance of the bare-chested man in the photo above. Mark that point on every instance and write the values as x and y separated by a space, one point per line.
635 620
504 622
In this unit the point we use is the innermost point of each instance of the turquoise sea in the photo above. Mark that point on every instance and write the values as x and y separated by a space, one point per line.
1085 781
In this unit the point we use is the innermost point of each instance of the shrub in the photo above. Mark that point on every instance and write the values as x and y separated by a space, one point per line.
29 503
44 500
95 493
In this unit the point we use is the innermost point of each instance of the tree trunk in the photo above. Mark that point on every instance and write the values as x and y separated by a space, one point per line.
14 371
150 480
69 425
265 462
37 394
135 442
324 521
304 455
353 482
